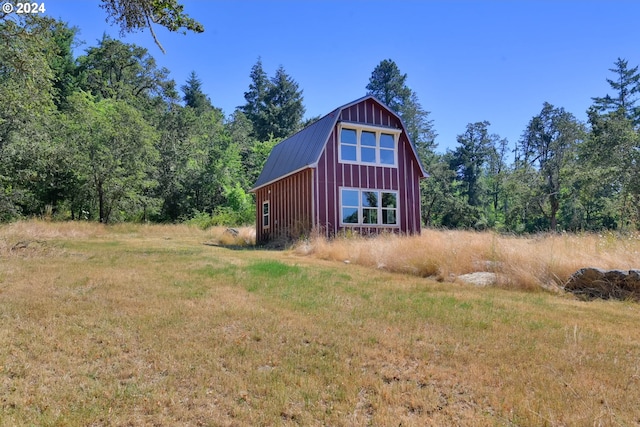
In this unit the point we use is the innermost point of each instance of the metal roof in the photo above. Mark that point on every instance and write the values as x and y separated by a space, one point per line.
303 149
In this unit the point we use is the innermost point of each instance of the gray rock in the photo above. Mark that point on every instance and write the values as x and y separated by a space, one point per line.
481 278
590 283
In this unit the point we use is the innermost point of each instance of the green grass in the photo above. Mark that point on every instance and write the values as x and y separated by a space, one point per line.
142 325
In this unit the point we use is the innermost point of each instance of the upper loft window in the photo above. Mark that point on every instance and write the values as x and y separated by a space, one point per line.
369 145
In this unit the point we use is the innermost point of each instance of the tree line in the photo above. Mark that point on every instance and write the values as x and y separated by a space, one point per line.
562 175
107 136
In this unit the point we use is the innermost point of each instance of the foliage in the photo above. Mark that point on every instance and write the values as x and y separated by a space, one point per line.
134 15
115 153
564 176
106 136
193 95
127 72
627 86
548 145
388 84
274 107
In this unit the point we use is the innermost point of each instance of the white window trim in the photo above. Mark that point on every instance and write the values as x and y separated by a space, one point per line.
360 208
267 215
359 128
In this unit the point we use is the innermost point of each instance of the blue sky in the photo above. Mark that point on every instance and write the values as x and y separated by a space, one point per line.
468 61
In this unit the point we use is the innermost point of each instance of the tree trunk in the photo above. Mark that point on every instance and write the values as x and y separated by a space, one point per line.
101 206
555 207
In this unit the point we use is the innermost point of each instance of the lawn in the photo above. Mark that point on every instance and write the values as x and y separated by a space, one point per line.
159 325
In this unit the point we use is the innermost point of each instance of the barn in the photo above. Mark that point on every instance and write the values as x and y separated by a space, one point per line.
353 169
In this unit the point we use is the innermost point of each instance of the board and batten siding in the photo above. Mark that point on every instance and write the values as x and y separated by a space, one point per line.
331 174
290 207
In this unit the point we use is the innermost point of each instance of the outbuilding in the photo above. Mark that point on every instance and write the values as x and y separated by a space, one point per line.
354 169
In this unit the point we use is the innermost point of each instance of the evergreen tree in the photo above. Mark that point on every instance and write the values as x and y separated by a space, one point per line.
388 84
193 95
610 156
611 166
273 106
496 175
469 159
284 106
62 63
255 108
627 86
437 190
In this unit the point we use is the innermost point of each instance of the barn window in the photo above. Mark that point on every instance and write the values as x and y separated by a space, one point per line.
369 145
265 214
368 207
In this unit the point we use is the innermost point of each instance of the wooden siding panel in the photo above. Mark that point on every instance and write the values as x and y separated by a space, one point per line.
289 205
312 197
332 223
404 178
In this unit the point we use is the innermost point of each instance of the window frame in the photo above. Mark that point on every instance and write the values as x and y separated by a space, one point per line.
379 149
379 209
266 216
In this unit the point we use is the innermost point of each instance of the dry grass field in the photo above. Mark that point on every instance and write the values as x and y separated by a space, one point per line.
136 325
526 263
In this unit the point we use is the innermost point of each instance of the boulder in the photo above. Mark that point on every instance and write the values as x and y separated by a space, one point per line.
480 278
590 283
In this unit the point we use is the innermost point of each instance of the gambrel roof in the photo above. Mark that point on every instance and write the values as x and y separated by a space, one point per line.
303 149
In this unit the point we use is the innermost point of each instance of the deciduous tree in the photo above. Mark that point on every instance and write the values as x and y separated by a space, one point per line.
547 145
135 15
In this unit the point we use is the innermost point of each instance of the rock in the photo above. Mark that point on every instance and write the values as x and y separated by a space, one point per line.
233 231
590 283
480 278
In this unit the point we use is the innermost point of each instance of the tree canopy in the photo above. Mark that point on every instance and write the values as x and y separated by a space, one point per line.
135 15
108 136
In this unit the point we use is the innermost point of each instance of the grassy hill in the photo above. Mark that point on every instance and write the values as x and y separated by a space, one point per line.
158 325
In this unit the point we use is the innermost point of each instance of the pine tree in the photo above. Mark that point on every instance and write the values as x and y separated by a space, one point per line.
193 95
627 86
388 84
284 106
255 107
470 157
274 106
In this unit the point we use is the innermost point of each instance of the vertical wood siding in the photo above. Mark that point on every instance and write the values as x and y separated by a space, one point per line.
290 207
311 197
331 175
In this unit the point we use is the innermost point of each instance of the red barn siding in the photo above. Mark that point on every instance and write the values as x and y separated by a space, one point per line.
331 175
290 207
311 197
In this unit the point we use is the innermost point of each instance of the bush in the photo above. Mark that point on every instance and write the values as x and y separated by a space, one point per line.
222 216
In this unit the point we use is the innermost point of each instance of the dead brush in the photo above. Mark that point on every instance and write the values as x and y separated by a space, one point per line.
543 261
226 236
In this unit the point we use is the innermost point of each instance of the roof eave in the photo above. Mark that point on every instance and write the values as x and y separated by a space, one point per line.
310 166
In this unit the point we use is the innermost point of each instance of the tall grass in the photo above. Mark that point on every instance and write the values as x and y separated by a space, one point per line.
530 262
